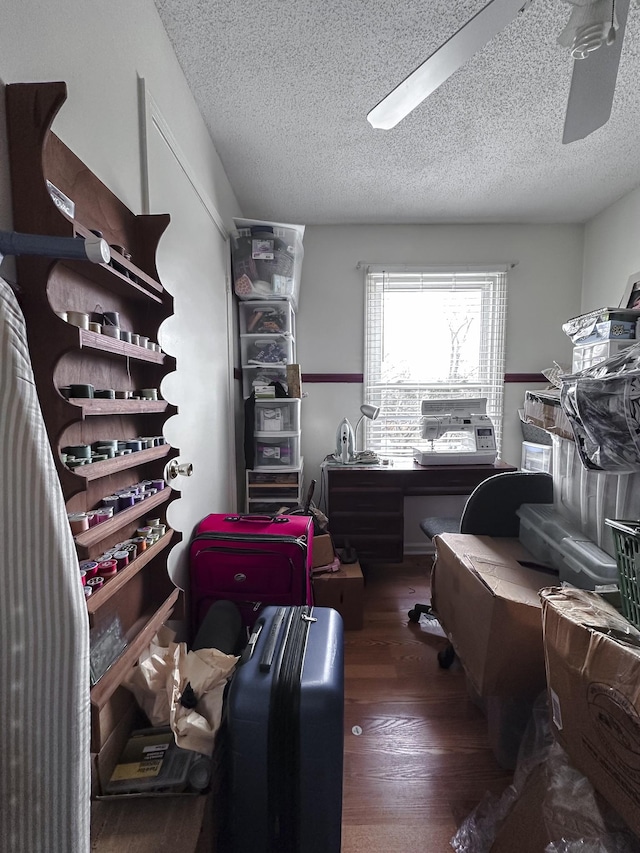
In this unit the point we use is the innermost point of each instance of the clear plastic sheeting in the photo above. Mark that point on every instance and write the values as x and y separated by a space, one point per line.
575 818
602 404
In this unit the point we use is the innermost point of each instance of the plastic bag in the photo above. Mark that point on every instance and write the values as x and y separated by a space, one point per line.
575 817
602 404
182 689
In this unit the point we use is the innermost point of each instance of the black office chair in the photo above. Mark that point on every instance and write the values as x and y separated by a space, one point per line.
490 510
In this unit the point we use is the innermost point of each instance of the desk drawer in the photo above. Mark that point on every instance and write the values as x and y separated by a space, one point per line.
366 499
373 547
348 523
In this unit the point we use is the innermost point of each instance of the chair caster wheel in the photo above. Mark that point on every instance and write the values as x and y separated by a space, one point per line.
446 657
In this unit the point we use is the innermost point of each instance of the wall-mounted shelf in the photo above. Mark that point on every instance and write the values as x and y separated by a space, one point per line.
113 586
98 470
94 535
93 407
142 595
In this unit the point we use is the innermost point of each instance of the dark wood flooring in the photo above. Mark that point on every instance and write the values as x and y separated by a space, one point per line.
422 760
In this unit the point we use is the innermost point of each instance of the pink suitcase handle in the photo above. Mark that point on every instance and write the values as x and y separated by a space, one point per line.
261 519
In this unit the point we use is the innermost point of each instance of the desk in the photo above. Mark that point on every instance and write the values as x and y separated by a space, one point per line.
366 503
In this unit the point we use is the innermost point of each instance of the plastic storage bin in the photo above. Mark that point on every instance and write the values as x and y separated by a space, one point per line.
279 415
266 350
542 530
282 451
267 318
266 260
586 355
257 375
589 498
585 565
536 457
626 535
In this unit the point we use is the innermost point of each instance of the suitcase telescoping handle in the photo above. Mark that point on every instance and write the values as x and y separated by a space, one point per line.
261 519
269 650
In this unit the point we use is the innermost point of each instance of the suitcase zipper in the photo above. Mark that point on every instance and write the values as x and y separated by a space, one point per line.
301 541
284 735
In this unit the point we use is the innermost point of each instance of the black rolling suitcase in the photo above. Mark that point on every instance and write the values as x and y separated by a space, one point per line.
285 718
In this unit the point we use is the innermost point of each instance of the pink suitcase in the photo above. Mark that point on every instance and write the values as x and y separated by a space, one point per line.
252 560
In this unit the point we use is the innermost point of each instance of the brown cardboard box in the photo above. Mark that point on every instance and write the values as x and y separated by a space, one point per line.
322 550
344 591
294 380
489 606
593 668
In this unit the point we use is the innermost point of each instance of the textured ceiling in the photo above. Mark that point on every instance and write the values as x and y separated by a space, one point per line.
285 88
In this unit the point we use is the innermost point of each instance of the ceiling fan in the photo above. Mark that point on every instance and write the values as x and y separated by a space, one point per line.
594 36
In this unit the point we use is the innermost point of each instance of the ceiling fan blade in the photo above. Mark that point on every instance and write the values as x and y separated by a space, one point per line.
593 85
453 54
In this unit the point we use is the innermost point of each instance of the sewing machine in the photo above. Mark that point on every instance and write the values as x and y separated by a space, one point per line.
470 437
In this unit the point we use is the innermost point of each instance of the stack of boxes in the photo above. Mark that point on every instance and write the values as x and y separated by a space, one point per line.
266 263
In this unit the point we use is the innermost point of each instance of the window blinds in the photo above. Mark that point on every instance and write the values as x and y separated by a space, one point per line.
431 333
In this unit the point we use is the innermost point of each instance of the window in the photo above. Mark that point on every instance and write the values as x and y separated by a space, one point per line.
431 334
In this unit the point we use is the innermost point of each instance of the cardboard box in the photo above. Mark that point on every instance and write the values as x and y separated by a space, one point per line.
488 604
294 380
323 552
543 409
344 591
592 656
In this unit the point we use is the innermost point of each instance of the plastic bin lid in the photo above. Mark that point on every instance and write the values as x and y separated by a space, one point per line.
585 556
548 522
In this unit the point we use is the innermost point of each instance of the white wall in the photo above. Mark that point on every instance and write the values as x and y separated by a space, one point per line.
101 50
611 253
544 290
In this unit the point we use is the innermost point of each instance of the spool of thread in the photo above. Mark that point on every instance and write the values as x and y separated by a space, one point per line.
149 493
91 515
99 457
158 484
143 341
79 522
95 327
95 582
65 390
75 463
107 569
109 452
106 442
132 549
89 567
111 501
103 514
135 339
141 543
87 591
137 499
144 531
122 395
62 315
79 319
125 336
125 501
81 390
160 529
149 393
111 331
110 318
150 345
78 451
83 577
121 558
134 445
105 394
152 522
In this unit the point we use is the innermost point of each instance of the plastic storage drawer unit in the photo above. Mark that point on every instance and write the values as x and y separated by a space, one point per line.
276 416
536 457
282 451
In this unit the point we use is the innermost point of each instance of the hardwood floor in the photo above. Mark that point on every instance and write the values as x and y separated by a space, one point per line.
422 761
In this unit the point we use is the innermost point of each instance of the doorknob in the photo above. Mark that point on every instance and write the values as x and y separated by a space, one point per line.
175 469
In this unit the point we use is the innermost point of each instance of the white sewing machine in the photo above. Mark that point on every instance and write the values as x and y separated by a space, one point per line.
457 432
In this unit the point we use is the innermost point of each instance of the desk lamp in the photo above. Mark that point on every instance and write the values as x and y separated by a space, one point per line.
368 411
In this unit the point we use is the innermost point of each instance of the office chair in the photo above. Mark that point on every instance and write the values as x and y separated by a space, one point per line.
490 510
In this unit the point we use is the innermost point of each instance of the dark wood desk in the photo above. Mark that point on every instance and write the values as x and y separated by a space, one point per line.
366 502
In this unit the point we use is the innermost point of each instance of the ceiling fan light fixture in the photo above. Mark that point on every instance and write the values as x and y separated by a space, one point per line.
590 25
